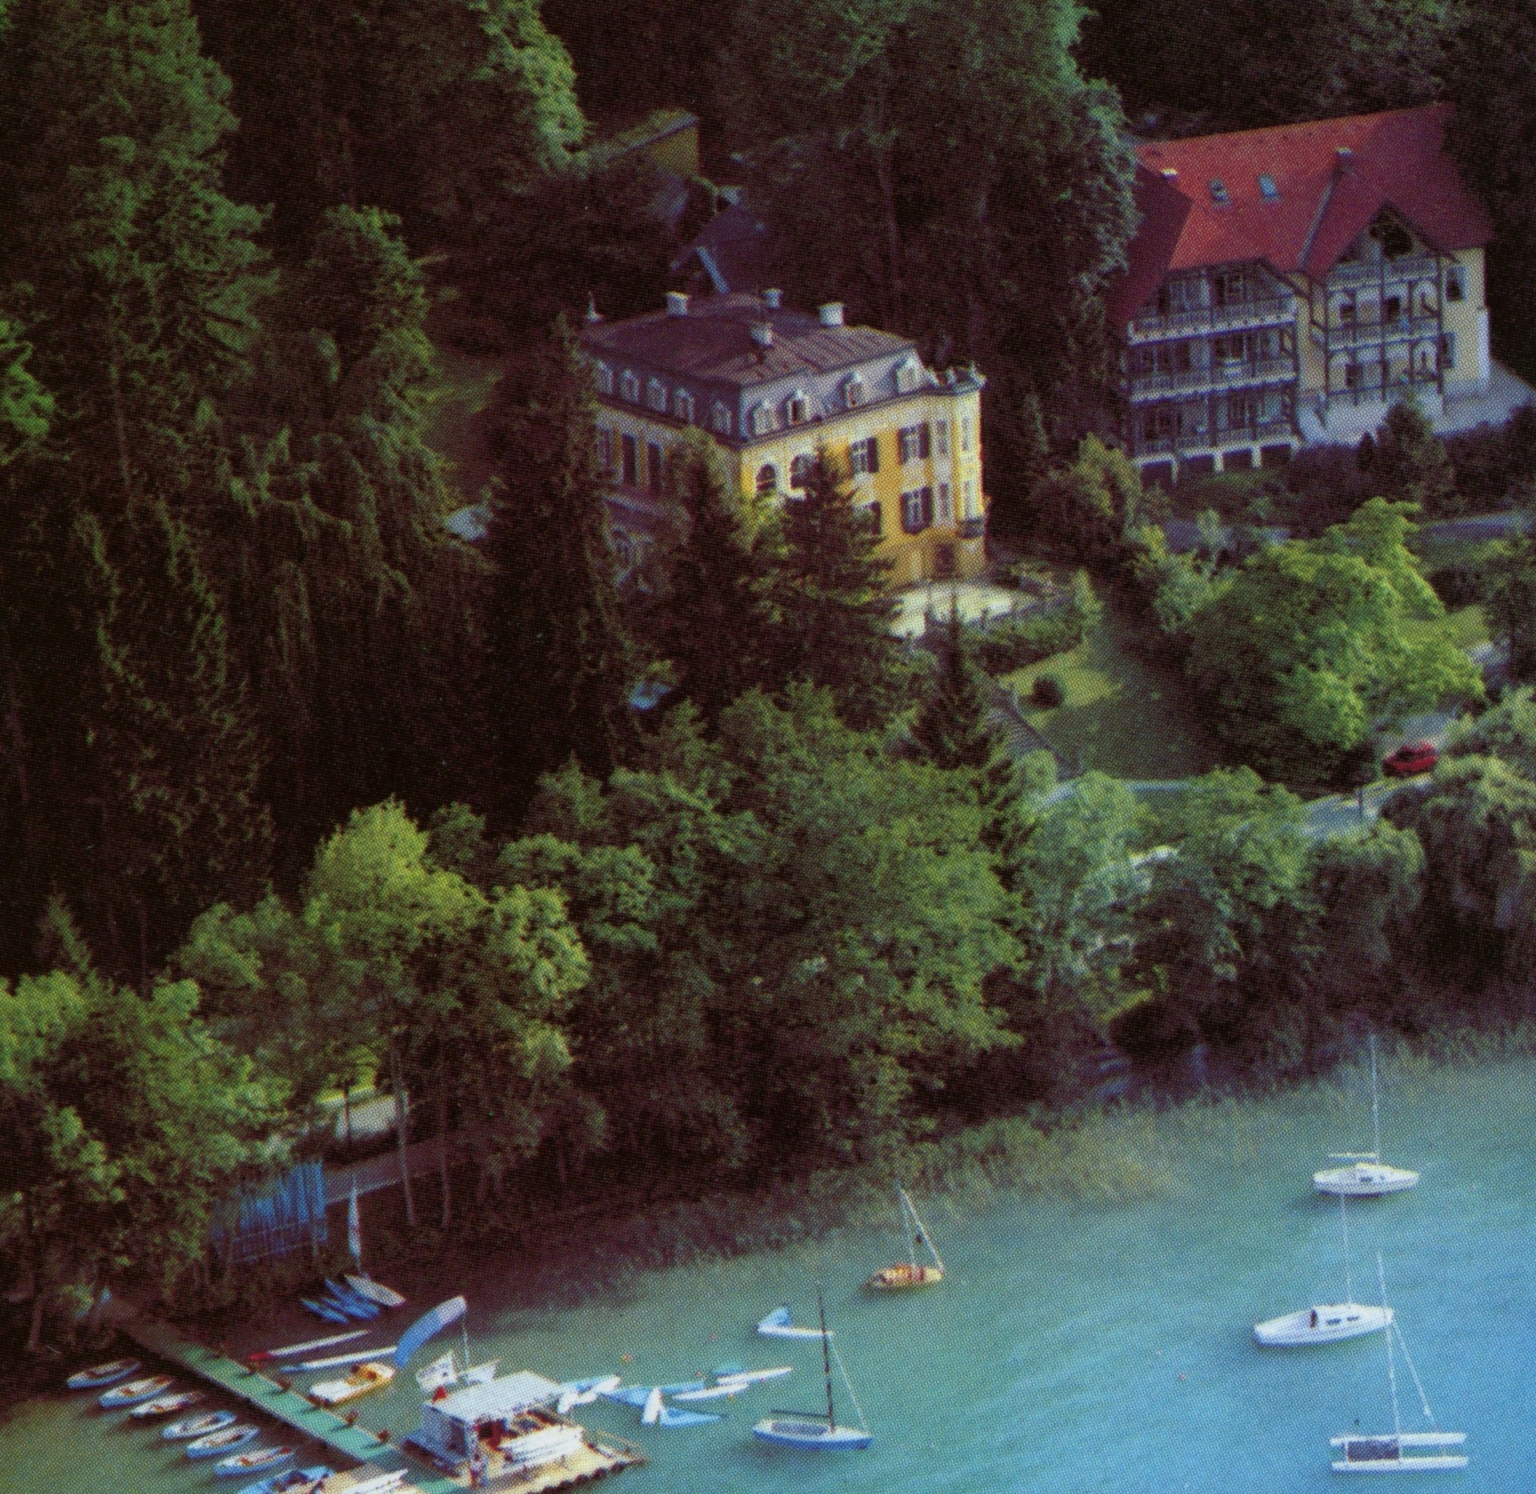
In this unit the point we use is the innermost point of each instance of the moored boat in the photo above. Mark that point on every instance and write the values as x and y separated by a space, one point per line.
258 1460
134 1391
199 1425
905 1275
295 1481
102 1374
374 1375
223 1441
806 1429
164 1405
777 1325
1326 1323
374 1291
1366 1175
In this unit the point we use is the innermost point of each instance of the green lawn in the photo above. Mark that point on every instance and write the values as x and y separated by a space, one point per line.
1121 715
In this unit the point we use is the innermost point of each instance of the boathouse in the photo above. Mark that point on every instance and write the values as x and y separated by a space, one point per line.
510 1420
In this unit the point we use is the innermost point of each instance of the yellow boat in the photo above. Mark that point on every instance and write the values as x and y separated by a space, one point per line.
374 1375
907 1274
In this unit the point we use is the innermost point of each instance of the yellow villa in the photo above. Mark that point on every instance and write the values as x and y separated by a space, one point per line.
771 385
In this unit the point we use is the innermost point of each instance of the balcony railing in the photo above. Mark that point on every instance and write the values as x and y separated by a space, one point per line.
1258 430
1358 334
1267 311
1409 267
1221 376
971 529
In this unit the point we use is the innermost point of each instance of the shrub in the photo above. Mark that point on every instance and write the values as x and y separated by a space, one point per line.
1017 642
1047 692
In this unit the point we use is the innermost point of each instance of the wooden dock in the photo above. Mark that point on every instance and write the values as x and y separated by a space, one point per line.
356 1444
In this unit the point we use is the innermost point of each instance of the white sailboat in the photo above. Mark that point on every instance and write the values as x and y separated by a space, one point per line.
1399 1451
806 1428
909 1273
1366 1176
1325 1323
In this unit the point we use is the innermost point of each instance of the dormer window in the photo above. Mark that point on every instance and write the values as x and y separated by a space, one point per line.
682 406
907 376
629 387
854 391
720 419
1219 190
1267 188
656 396
797 408
762 419
604 379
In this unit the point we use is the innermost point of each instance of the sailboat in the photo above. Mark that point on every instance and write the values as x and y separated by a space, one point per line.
1399 1451
806 1428
909 1273
1366 1176
1328 1322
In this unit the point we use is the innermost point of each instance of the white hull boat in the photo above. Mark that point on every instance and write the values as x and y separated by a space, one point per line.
374 1375
1365 1175
374 1291
1322 1325
777 1325
808 1429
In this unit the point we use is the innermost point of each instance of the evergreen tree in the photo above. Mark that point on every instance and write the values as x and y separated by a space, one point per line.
951 727
836 612
1410 464
716 623
26 408
556 648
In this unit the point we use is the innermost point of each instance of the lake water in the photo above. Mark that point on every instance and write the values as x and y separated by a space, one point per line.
1075 1346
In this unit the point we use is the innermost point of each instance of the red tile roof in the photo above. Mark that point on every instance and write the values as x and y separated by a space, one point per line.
1397 160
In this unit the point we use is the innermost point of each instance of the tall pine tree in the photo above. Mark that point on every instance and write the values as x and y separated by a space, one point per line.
951 727
557 654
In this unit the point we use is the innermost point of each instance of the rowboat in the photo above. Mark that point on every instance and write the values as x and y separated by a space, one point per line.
806 1429
102 1374
374 1291
909 1273
256 1461
163 1405
199 1425
134 1391
295 1481
374 1375
223 1441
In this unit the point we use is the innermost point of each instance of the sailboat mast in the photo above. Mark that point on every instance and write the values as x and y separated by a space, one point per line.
1349 1291
907 1211
1375 1111
1397 1424
826 1358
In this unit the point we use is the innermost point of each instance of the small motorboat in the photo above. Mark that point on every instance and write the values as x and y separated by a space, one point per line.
807 1429
374 1375
256 1461
164 1405
226 1440
295 1481
199 1425
324 1310
102 1374
374 1291
777 1325
133 1391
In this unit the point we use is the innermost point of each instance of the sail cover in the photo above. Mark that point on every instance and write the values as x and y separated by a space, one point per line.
426 1325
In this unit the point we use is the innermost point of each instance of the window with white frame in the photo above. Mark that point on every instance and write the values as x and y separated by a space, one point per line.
941 437
907 376
864 456
656 396
854 391
682 406
944 509
720 419
800 470
629 386
604 379
762 419
605 451
797 408
967 432
916 510
872 510
913 443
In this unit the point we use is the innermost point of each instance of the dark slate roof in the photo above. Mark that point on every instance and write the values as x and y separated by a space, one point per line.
714 342
1321 203
731 248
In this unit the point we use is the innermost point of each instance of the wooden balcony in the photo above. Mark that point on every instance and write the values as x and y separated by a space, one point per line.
1270 311
1257 371
1388 271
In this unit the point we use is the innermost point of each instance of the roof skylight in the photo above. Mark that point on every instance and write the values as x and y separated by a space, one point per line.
1218 190
1267 187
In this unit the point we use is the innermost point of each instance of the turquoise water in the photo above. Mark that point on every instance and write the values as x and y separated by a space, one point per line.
1075 1346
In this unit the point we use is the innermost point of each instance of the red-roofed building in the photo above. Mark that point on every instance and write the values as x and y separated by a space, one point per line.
1287 284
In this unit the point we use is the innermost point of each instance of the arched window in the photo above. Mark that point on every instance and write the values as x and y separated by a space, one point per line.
767 480
800 470
656 396
682 406
797 408
762 419
604 379
629 387
720 419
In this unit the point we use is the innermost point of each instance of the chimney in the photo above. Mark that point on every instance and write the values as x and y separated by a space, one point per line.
762 335
831 313
677 303
1343 159
593 314
771 299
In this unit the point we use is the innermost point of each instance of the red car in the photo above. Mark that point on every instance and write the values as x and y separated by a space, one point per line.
1411 758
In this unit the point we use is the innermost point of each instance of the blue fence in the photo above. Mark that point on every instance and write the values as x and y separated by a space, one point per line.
275 1220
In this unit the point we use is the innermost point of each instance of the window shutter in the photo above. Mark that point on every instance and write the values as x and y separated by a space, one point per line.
927 500
874 453
924 441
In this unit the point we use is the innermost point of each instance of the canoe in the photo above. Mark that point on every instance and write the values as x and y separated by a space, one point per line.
133 1391
163 1405
289 1350
102 1374
223 1441
374 1291
340 1361
795 1431
295 1481
374 1375
256 1461
1326 1324
199 1425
